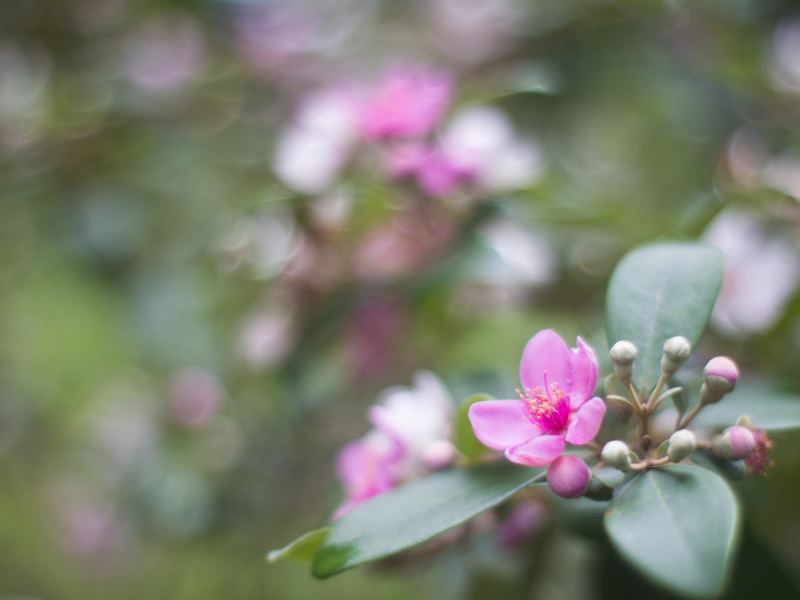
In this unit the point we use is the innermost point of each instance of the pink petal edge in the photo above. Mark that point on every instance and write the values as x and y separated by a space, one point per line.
501 424
544 352
538 452
587 422
580 374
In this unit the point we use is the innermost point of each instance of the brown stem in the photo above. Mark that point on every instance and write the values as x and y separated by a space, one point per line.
688 419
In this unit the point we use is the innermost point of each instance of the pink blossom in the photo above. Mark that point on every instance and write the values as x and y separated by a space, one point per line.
407 103
555 407
568 476
367 467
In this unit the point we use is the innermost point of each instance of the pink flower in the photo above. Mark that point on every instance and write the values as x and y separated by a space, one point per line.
367 467
407 103
556 407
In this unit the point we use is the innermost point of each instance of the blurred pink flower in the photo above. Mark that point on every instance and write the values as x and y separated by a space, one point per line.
555 408
402 246
761 272
194 396
266 338
165 53
524 522
373 336
312 151
408 103
410 438
366 468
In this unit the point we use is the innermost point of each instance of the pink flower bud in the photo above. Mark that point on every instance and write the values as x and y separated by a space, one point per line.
719 378
568 476
736 443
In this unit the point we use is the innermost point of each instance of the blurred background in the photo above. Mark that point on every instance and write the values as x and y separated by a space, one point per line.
227 225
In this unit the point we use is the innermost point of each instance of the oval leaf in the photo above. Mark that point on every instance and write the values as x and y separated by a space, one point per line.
767 409
732 469
657 292
609 476
463 435
679 526
417 512
303 548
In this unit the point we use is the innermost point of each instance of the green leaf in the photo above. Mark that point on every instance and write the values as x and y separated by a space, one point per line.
681 401
609 476
657 292
767 409
732 469
416 512
464 436
303 548
679 526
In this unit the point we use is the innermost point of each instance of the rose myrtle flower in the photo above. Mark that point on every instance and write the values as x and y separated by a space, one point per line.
555 408
735 443
407 103
366 468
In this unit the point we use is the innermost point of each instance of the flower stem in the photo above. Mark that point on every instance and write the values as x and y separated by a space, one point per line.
688 419
661 382
650 462
635 398
666 394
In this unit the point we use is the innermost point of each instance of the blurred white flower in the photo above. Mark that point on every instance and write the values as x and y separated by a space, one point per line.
782 173
266 338
312 151
165 53
476 31
785 66
528 258
761 272
267 241
483 139
746 156
420 419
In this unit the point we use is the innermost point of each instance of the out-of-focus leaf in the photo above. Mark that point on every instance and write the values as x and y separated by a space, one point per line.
732 469
658 292
769 410
609 476
417 512
303 548
679 526
463 435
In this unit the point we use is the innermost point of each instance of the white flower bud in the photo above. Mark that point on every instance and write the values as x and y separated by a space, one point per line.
616 454
676 351
622 354
681 444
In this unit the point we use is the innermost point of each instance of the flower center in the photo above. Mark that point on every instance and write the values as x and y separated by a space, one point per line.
547 409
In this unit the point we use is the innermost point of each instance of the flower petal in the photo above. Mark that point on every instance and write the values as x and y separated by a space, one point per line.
587 422
547 353
539 452
580 375
501 424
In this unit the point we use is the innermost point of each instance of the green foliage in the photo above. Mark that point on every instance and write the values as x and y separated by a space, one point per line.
464 436
416 513
658 292
679 526
303 548
767 409
732 469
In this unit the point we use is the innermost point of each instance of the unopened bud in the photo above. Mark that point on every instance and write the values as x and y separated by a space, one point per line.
735 443
616 454
676 351
622 354
681 444
568 476
719 378
744 421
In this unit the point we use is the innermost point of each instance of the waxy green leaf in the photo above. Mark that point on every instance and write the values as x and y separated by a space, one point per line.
303 548
732 469
609 476
417 512
658 292
767 409
463 435
679 526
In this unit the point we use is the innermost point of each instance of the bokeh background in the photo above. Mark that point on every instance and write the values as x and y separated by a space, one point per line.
208 272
